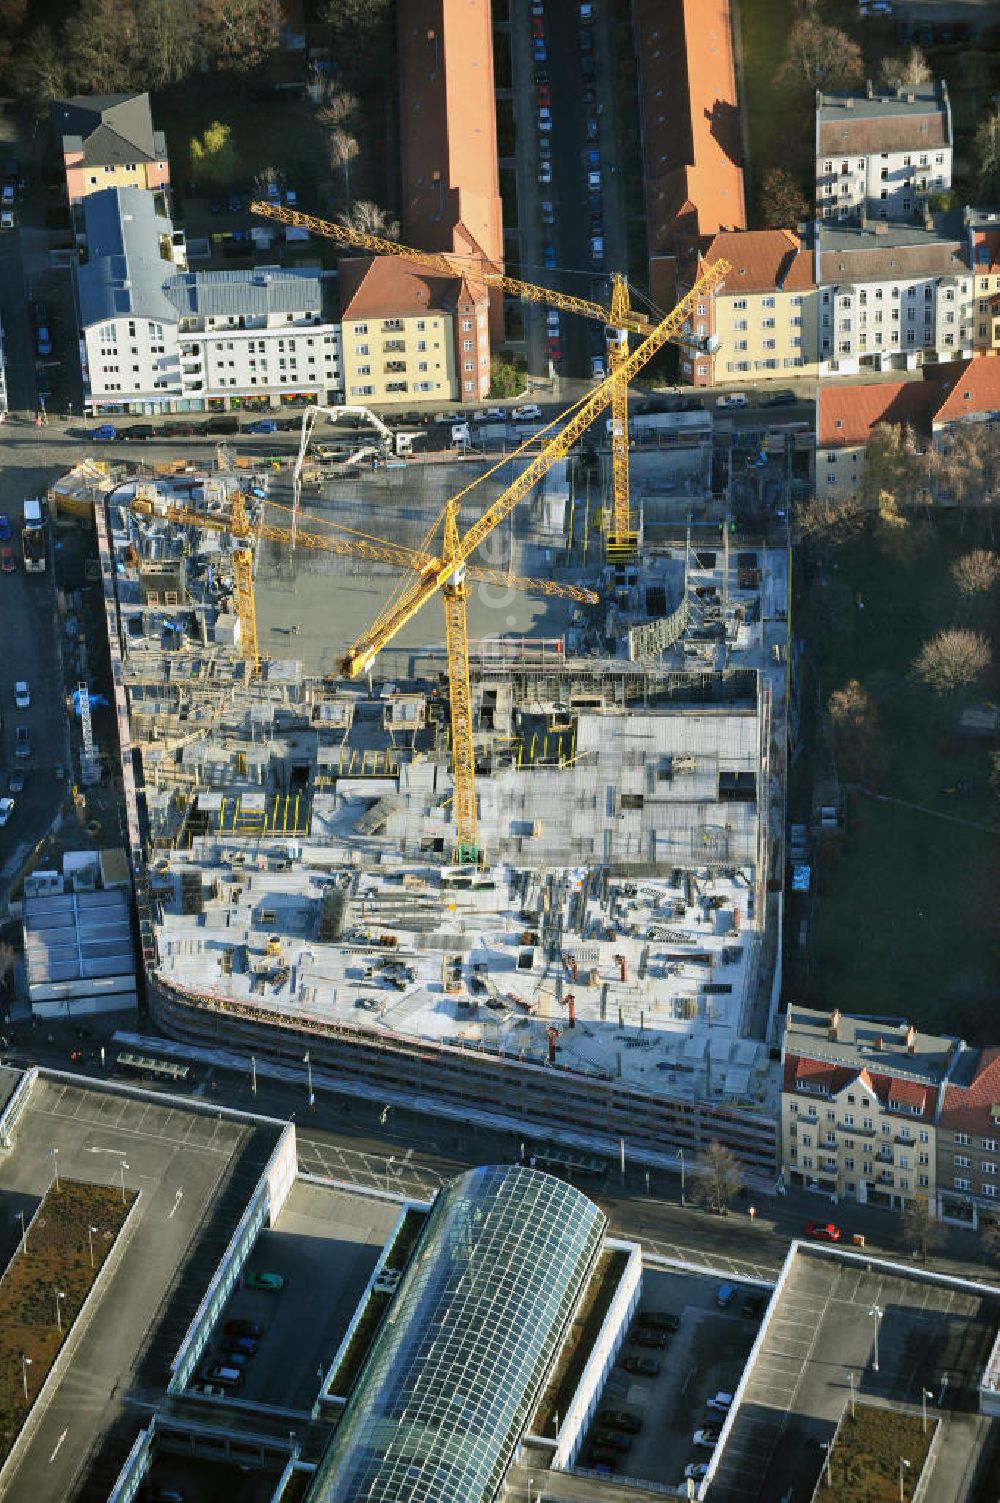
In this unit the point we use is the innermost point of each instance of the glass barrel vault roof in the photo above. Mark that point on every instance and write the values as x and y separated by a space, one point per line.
458 1365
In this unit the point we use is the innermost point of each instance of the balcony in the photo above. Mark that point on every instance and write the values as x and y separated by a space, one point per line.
884 1156
395 368
394 346
392 326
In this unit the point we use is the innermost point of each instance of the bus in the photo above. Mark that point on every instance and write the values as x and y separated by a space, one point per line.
151 1068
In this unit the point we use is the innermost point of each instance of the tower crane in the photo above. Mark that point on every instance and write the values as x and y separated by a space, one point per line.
448 572
354 545
620 318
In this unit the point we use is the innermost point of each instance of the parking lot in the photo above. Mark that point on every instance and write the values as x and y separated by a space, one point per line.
324 1248
821 1340
705 1356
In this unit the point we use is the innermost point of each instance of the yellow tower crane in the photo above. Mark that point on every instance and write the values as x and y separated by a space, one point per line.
354 545
620 318
448 572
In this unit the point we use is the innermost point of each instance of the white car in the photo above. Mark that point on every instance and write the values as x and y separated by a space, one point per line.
708 1438
696 1470
545 174
722 1402
529 413
552 321
593 181
733 399
6 809
544 118
22 694
597 372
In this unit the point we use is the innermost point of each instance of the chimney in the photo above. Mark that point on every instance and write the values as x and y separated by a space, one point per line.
928 216
833 1031
871 89
911 1040
571 1008
878 1043
848 104
553 1035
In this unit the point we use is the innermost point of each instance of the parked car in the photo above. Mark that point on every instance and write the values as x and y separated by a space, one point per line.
642 1367
586 39
6 809
178 430
291 198
538 51
104 433
552 321
645 1337
555 348
8 219
548 211
222 425
8 194
138 433
823 1231
544 96
272 1282
529 412
549 258
593 183
696 1470
22 742
210 1390
22 694
544 119
593 128
778 399
708 1437
725 1295
544 149
613 1439
754 1307
8 563
659 1319
620 1419
4 527
732 399
243 1328
234 203
537 26
597 249
215 206
721 1402
225 1375
43 338
597 367
544 174
262 425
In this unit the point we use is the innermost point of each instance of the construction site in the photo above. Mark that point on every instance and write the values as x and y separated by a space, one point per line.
523 861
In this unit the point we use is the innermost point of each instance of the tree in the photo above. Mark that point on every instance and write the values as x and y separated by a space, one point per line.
987 154
718 1179
214 159
889 467
902 535
862 752
822 57
952 659
781 200
39 71
506 378
239 35
975 574
920 1230
337 107
101 44
906 71
360 35
370 219
343 148
831 523
168 40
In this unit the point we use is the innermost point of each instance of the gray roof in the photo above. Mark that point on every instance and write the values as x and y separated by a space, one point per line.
890 120
252 291
111 128
124 272
78 935
880 1044
891 250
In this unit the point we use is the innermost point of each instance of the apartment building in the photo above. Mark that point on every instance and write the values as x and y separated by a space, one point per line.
859 1106
892 297
764 315
157 338
881 154
983 229
411 334
968 1140
109 142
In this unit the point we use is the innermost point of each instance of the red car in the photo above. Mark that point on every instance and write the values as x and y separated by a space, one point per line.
544 97
7 561
823 1231
555 350
537 27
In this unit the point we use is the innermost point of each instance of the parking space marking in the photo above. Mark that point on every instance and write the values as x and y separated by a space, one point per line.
156 1137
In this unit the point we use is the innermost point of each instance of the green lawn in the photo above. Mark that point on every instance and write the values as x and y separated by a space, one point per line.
905 921
778 137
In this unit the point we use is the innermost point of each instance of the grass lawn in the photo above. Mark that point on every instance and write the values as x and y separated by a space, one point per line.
777 137
865 1462
903 922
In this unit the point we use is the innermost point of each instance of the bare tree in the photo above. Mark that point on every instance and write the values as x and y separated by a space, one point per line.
862 751
832 522
718 1179
889 463
168 40
343 148
337 107
919 1228
975 575
822 57
370 219
906 71
903 535
239 35
101 44
952 660
268 177
40 68
987 154
781 200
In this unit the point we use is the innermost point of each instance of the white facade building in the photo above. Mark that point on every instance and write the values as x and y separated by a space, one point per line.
892 298
879 156
158 338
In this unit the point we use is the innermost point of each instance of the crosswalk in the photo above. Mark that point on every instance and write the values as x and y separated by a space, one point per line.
395 1173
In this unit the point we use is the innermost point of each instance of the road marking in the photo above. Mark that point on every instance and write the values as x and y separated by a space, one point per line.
173 1209
119 1151
58 1447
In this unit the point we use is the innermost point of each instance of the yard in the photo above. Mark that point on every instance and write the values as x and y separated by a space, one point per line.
903 920
67 1242
874 1450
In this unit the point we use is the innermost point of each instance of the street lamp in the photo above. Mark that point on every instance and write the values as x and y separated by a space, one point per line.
24 1231
850 1378
124 1167
90 1236
253 1073
60 1296
876 1314
388 1166
904 1467
55 1165
925 1394
307 1061
384 1114
680 1155
25 1364
827 1446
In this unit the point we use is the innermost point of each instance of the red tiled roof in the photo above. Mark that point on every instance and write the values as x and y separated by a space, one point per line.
690 120
762 260
846 415
821 1072
386 287
986 251
970 1108
975 390
835 1078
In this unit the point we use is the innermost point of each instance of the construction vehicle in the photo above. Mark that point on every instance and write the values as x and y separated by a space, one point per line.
354 545
391 442
33 537
448 572
620 319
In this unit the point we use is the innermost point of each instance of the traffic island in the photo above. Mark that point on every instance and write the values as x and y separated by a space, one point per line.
45 1287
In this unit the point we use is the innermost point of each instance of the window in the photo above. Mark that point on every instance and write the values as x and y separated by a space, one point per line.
739 324
924 1135
989 1168
848 1164
827 166
990 1191
467 344
768 323
363 328
990 1145
923 1181
739 304
962 1138
868 1125
961 1161
962 1184
923 1158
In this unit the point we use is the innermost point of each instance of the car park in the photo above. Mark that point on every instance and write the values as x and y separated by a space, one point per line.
6 809
620 1419
22 694
8 564
104 433
22 742
823 1231
4 527
271 1282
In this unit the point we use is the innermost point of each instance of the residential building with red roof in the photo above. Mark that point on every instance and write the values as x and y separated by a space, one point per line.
968 1141
407 334
450 166
692 161
881 154
764 315
860 1100
983 227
